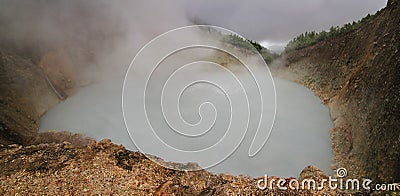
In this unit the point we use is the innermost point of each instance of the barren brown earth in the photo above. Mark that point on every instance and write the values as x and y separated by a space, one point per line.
105 168
357 75
25 96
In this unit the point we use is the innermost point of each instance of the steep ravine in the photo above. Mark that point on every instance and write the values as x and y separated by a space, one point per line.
357 75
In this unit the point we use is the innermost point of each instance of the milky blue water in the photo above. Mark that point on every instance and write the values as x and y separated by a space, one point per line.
300 136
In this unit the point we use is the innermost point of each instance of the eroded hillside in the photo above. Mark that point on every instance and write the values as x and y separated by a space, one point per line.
357 75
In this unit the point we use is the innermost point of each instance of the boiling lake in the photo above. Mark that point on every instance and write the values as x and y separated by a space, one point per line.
300 135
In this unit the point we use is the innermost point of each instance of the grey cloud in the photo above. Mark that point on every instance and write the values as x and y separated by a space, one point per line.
124 26
280 20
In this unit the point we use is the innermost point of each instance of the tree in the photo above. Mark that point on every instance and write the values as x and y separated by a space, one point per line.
309 38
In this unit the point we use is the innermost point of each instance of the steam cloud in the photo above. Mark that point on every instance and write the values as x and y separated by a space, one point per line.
100 37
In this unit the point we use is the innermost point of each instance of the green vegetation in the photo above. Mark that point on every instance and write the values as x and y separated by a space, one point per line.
268 56
256 45
241 42
309 38
247 44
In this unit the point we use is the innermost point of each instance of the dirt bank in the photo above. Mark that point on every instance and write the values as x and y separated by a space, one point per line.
358 76
25 96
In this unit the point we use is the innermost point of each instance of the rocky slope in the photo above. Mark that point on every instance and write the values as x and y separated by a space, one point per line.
106 168
25 96
30 85
357 75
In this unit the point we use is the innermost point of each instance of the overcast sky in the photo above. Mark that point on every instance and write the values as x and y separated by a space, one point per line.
271 22
277 21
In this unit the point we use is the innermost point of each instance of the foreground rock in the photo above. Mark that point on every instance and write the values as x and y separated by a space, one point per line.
106 168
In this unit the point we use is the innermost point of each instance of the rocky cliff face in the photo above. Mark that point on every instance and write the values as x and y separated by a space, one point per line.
357 75
31 83
25 96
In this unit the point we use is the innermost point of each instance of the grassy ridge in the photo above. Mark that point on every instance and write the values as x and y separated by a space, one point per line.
251 45
309 38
